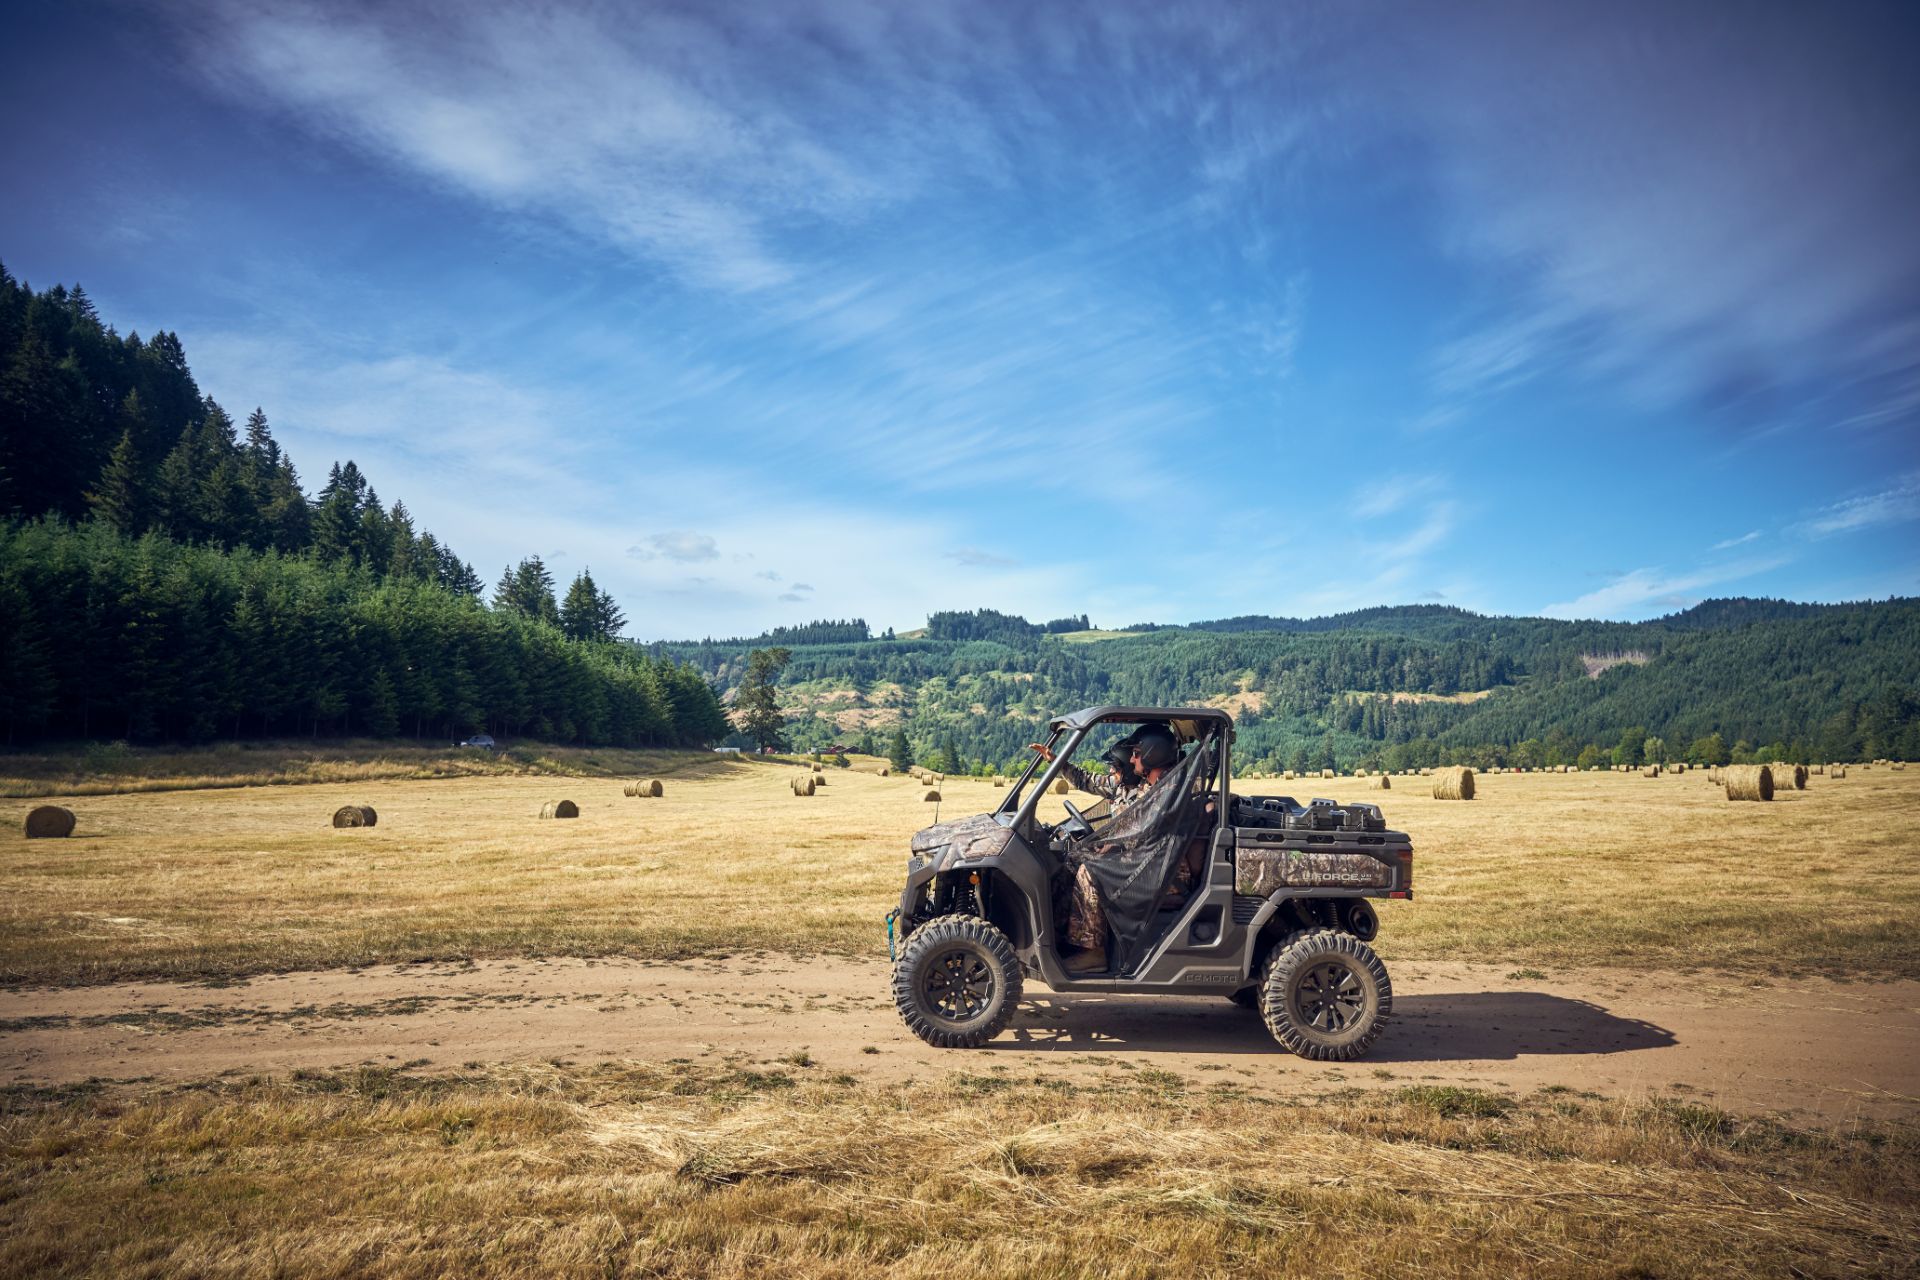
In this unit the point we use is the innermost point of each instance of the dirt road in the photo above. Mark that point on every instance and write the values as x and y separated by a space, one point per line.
1812 1047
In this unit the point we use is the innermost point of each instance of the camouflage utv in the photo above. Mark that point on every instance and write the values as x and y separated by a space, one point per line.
1278 915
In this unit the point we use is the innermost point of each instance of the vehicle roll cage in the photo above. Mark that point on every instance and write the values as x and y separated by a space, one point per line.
1189 724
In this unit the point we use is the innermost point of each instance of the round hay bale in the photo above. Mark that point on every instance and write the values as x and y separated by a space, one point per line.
1288 775
885 772
1427 772
1326 773
1788 777
644 788
1817 770
355 815
1381 783
819 779
51 822
1453 783
559 809
932 797
999 781
1748 782
1837 771
1677 768
802 785
1651 771
816 766
1060 787
1898 765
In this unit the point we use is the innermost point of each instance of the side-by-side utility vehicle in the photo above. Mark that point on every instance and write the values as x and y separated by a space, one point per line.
1276 909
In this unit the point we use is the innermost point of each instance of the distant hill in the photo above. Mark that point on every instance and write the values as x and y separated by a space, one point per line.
1389 686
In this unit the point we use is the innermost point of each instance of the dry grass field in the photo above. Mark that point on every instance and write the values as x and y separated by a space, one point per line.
667 1170
755 1166
1539 870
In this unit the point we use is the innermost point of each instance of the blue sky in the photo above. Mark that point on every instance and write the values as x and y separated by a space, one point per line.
1156 312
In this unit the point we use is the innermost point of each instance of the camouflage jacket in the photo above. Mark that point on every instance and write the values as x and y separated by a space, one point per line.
1118 794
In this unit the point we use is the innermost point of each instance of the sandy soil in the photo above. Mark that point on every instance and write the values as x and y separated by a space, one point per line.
1809 1047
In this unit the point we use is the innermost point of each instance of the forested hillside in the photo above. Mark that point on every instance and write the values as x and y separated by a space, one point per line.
164 575
1729 679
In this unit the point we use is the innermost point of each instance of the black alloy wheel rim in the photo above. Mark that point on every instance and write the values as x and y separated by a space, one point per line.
958 985
1328 997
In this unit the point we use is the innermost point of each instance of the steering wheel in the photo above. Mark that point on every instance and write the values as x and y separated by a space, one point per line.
1077 825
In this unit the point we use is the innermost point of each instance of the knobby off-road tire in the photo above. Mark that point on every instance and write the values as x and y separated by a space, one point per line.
956 982
1325 995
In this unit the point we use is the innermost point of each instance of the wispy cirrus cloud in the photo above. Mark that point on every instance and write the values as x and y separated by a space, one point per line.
1637 590
1727 544
1893 505
694 137
1754 285
974 558
683 545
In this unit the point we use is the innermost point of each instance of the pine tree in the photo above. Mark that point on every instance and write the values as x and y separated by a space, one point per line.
527 590
373 541
580 611
336 515
899 750
120 498
457 576
176 492
402 548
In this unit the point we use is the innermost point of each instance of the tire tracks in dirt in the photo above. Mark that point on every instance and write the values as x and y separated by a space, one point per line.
1811 1047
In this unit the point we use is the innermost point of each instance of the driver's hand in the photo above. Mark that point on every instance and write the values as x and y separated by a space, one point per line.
1046 752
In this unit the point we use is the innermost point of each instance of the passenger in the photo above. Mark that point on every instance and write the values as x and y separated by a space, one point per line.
1121 785
1151 752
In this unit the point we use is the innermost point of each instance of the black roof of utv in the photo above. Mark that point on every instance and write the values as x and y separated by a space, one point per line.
1089 715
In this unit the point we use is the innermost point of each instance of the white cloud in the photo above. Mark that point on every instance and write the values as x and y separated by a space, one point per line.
974 558
694 139
1894 505
1735 542
1626 226
682 545
1632 591
1390 493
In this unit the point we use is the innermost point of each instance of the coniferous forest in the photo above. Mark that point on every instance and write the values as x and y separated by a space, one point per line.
163 575
1729 680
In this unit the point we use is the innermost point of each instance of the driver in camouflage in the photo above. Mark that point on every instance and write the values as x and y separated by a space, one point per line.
1137 762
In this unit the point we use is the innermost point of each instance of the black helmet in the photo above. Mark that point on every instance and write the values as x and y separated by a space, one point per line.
1155 746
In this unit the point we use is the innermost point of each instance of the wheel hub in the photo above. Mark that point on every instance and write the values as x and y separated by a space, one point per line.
958 985
1328 997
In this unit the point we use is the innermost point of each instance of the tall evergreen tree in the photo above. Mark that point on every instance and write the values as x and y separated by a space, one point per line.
120 498
527 590
589 613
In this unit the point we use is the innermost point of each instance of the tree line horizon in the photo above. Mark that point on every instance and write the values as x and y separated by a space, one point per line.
163 576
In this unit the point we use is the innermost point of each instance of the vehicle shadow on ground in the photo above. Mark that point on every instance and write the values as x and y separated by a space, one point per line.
1508 1024
1466 1026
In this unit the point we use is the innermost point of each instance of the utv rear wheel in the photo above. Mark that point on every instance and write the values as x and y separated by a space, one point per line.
1325 995
957 982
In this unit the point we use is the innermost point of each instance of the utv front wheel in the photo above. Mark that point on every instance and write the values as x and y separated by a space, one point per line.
1325 995
957 982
